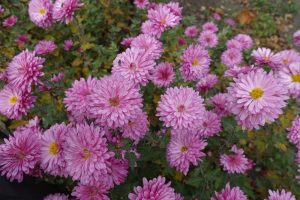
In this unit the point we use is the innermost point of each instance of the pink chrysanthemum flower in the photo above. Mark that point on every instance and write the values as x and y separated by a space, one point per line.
56 196
127 41
280 195
163 74
86 154
208 39
245 40
118 171
142 4
191 31
52 143
10 21
195 63
229 193
114 101
180 108
256 98
176 10
68 44
220 101
137 127
294 132
234 44
296 38
185 149
63 10
207 82
210 26
231 57
40 12
21 39
209 125
156 189
77 98
149 44
24 70
135 65
237 162
148 27
45 47
97 191
14 103
286 57
235 71
264 56
290 77
32 126
230 22
19 154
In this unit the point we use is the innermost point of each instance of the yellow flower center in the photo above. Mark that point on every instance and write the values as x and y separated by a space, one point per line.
13 100
256 93
195 62
53 149
114 101
184 149
86 154
285 61
296 78
42 11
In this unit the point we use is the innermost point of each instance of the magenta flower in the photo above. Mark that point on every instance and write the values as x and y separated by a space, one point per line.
217 16
294 132
176 10
142 4
57 77
44 47
237 162
220 101
163 74
286 57
64 10
21 39
180 108
195 63
245 40
149 27
207 82
209 125
185 149
191 31
296 38
24 70
280 195
228 193
231 57
290 78
52 144
210 26
68 44
230 22
56 196
10 21
264 56
118 171
208 39
156 189
256 98
96 191
137 127
14 103
135 65
114 101
40 12
234 44
19 154
77 98
127 41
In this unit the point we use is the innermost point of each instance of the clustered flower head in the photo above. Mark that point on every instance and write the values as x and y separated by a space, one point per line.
229 193
280 195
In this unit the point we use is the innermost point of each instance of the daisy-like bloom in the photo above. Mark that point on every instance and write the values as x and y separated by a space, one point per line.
191 31
40 12
235 71
296 38
52 142
137 127
77 98
86 154
148 27
231 57
237 162
208 39
234 44
142 4
24 70
68 44
294 131
114 101
163 74
45 47
210 26
63 10
149 44
230 22
156 189
207 82
19 154
21 39
209 125
286 57
256 98
180 108
127 41
290 77
264 56
118 171
185 149
220 101
280 195
229 193
135 65
195 63
97 191
14 103
56 196
10 21
245 40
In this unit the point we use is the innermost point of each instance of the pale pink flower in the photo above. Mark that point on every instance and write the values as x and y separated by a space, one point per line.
40 12
296 38
231 57
230 22
64 10
290 78
45 47
56 196
209 125
118 171
245 40
148 27
208 39
286 57
220 101
210 26
294 132
191 31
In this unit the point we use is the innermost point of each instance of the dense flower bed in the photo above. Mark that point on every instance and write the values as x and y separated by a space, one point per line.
121 100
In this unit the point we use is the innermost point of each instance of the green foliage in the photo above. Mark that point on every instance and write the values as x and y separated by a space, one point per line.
263 25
